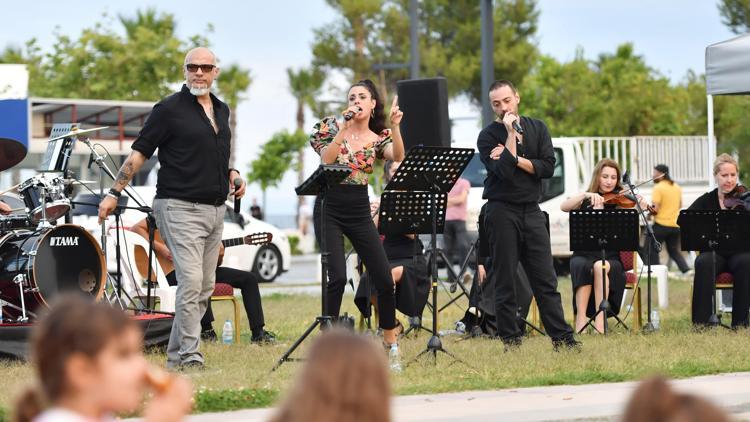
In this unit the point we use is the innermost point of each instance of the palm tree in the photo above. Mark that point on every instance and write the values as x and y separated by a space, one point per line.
233 82
305 85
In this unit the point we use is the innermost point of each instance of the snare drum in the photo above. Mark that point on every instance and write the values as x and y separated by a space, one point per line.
56 203
66 258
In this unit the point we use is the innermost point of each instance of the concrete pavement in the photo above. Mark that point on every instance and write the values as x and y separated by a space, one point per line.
557 403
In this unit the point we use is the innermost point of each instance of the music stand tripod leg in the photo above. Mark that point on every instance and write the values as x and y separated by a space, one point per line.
715 318
604 306
324 320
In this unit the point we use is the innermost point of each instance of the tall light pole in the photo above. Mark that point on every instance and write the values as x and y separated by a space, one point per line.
414 38
488 64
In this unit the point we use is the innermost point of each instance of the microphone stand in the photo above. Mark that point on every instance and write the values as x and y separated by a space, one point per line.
651 242
99 160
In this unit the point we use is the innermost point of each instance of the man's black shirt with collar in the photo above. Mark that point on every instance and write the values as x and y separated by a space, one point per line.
194 158
506 181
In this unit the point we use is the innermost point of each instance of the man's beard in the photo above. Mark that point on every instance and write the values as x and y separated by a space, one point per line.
198 92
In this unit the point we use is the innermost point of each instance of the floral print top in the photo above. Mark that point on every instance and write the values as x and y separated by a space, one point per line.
361 161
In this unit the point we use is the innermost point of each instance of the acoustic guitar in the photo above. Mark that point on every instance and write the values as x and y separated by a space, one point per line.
141 253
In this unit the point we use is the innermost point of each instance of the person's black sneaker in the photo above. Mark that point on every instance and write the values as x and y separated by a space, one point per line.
193 365
511 343
568 343
266 337
209 335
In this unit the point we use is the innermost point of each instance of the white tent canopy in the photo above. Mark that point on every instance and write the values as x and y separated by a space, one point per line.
727 73
728 66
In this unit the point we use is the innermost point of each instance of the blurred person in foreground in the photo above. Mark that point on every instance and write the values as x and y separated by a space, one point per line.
345 378
655 401
89 366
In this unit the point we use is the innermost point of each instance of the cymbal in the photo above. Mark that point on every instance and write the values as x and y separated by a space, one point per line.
77 132
12 152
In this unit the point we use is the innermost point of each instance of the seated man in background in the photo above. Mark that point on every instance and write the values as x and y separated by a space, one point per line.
246 281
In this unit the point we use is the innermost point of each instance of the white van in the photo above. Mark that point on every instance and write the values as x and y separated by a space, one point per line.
686 156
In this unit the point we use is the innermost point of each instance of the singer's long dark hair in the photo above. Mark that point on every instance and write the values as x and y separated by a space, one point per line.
377 120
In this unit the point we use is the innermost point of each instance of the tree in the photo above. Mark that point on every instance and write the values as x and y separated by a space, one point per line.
305 85
735 14
617 94
144 64
277 156
377 32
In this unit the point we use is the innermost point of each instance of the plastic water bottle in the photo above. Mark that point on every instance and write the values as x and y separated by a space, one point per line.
394 358
655 321
227 333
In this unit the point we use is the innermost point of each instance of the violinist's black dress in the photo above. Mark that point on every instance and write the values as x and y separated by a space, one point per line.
736 263
581 266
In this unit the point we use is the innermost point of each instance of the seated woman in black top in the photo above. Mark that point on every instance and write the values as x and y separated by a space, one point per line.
586 266
726 175
407 263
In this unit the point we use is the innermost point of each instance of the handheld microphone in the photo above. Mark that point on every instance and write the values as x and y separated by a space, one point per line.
237 184
350 114
517 126
626 178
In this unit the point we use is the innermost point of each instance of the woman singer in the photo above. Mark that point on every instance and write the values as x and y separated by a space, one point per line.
356 141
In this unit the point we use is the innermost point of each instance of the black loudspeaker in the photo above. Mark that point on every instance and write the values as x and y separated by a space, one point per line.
425 106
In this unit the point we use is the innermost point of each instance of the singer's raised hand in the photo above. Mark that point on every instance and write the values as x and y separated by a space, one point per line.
508 120
396 113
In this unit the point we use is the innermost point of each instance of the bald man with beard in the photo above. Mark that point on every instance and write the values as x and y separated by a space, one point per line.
191 130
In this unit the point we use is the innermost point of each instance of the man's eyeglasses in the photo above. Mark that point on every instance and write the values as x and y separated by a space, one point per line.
192 67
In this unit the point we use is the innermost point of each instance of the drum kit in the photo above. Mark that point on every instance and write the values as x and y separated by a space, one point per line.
40 259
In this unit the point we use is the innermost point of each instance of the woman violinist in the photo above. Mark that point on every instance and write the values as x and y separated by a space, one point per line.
604 192
725 173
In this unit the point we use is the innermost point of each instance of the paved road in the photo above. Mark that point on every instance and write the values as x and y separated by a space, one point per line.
558 403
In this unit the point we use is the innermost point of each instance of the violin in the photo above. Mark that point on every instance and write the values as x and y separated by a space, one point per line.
737 199
624 199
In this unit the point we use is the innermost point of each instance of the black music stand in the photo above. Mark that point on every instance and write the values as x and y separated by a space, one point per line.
712 231
432 171
317 184
403 212
604 230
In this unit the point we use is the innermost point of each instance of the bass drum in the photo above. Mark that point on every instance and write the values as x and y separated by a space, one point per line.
66 258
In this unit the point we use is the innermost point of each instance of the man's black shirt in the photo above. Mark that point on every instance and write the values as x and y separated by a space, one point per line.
505 180
194 158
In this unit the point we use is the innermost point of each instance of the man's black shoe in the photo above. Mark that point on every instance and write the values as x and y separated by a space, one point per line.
568 343
266 337
209 335
193 365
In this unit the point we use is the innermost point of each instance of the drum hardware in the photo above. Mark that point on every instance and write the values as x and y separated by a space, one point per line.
4 303
20 279
97 158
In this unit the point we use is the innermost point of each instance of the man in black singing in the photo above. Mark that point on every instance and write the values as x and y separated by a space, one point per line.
517 152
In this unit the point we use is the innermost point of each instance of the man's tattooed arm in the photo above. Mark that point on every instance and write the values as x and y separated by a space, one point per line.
131 166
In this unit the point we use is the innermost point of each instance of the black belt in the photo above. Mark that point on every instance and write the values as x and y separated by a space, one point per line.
215 202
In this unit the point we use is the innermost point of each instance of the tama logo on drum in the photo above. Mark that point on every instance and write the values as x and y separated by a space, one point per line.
63 241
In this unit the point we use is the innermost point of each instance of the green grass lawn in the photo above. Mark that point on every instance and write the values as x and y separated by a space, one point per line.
239 376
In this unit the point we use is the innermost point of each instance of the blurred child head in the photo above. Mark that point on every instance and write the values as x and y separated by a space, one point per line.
88 358
655 401
345 378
